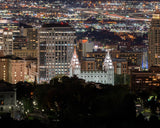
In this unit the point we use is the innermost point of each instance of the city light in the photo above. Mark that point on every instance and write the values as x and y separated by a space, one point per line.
72 63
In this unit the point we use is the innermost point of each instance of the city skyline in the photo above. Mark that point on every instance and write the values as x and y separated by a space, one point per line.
93 64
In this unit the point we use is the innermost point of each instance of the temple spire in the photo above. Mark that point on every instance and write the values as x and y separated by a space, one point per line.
108 62
74 61
75 67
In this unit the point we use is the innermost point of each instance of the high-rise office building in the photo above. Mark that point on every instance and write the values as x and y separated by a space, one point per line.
55 49
25 45
84 46
22 49
154 40
8 30
19 42
6 41
31 36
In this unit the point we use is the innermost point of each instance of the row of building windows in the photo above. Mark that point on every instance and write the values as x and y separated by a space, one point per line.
94 76
56 34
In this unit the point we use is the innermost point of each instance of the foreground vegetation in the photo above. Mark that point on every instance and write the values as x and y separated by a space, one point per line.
71 102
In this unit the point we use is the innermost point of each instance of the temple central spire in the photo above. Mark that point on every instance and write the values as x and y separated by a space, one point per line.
74 61
107 62
75 67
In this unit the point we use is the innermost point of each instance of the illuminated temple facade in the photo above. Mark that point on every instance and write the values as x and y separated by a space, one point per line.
105 76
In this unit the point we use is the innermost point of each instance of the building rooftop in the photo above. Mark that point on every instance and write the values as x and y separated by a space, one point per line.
5 86
97 51
88 59
153 69
12 57
25 25
61 24
30 58
119 60
5 21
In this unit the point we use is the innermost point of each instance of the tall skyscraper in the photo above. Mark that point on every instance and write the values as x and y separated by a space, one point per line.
154 40
55 49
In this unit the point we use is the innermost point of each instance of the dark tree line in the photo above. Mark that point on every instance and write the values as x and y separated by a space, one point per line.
71 102
76 103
